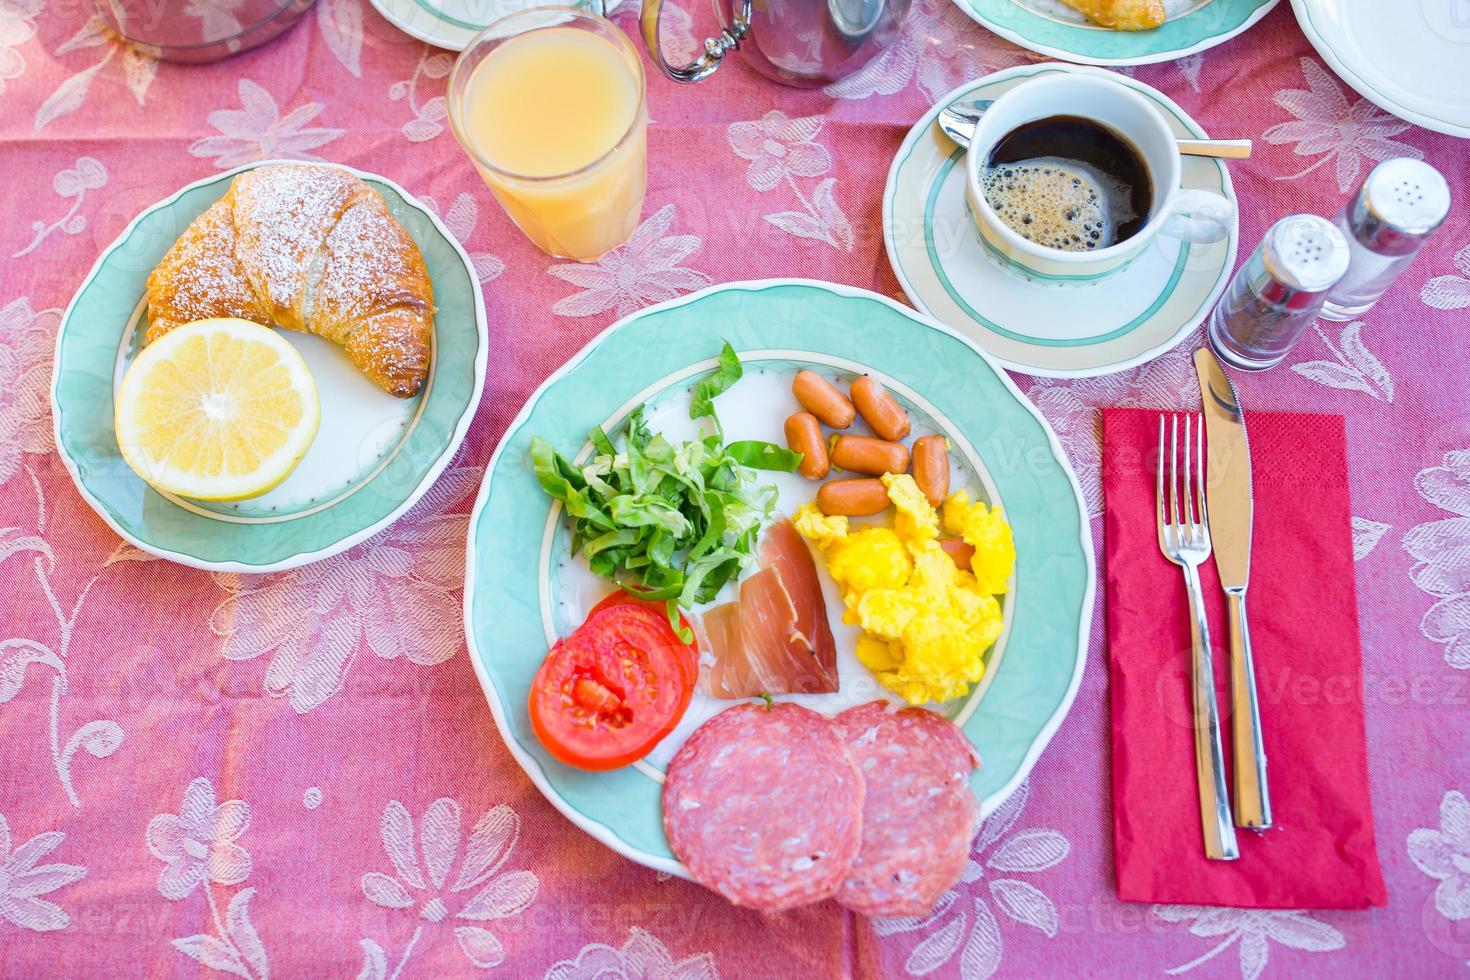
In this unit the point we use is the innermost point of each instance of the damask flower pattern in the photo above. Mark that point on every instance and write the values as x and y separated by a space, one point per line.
1443 853
72 184
645 270
1071 407
27 342
1442 550
23 881
1251 931
937 48
642 957
963 927
197 844
461 217
1450 292
427 886
17 26
1366 535
138 71
340 24
1341 133
393 594
258 131
1353 366
780 149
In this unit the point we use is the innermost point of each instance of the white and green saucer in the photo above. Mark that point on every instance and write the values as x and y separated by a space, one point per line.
452 24
374 455
1052 28
1039 328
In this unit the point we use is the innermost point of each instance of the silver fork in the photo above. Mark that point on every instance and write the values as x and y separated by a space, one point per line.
1184 538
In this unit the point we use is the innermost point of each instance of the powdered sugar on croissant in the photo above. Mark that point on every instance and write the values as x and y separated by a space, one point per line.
308 248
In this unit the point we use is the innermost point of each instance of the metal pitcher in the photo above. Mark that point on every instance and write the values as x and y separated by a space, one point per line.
804 43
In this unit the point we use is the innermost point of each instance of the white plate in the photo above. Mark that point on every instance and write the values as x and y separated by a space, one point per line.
453 23
1409 57
1052 28
1056 331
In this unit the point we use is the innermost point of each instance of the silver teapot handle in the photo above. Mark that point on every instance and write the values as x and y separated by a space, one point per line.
714 47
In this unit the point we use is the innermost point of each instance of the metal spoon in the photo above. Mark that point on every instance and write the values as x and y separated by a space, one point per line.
957 120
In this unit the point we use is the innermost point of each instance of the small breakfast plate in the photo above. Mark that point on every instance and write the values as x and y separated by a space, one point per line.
1051 28
452 24
1413 63
1059 331
373 456
523 588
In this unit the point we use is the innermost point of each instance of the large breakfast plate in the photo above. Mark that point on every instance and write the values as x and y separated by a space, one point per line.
1051 28
373 456
523 589
1412 60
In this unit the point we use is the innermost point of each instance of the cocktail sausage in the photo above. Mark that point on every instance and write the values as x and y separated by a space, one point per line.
861 454
960 550
931 468
878 408
804 435
852 498
818 396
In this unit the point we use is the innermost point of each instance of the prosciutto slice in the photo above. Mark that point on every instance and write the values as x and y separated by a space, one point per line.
775 638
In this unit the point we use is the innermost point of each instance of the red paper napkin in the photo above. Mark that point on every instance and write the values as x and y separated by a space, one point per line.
1304 628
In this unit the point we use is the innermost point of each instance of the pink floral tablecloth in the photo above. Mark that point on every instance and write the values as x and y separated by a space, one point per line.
186 789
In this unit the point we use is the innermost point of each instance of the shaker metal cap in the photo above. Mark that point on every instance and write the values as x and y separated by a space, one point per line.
1302 257
1402 201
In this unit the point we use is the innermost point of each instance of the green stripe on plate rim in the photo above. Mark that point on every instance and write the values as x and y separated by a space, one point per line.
82 398
1201 28
477 28
1024 338
968 90
1032 686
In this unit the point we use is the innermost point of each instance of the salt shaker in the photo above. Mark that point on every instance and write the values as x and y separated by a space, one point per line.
1398 206
1278 292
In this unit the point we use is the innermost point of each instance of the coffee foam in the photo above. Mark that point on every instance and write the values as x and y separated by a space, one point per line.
1058 203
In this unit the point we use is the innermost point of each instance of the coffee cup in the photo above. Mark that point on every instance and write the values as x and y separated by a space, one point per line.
1187 214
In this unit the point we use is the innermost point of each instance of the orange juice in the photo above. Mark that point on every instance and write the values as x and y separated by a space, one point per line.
554 118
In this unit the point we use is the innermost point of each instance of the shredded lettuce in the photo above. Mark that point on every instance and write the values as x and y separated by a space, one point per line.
706 391
672 522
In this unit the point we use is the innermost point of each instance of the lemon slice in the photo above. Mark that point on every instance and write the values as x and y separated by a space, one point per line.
217 410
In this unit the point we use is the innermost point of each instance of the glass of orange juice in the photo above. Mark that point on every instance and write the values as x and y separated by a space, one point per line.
549 104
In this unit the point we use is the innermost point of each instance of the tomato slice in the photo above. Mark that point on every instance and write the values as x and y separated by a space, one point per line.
622 597
608 693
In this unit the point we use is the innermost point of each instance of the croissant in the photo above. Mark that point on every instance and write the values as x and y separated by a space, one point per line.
1122 15
309 248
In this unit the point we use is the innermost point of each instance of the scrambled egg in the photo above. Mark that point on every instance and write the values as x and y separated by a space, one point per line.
926 623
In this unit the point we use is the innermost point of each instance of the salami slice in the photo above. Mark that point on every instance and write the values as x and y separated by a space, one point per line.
919 814
764 805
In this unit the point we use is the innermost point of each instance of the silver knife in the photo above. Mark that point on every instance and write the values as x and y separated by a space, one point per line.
1229 505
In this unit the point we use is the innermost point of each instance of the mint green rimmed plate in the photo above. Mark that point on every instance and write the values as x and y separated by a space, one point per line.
1048 329
374 455
452 24
1051 28
516 559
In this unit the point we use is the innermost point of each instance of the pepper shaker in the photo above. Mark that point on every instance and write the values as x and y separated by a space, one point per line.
1396 208
1278 292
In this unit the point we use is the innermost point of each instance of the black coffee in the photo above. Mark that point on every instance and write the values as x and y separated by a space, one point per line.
1067 182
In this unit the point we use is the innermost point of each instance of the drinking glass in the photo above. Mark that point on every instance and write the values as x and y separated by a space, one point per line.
550 105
